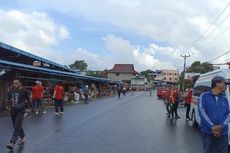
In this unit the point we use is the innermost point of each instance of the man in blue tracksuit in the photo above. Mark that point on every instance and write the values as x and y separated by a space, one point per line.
214 114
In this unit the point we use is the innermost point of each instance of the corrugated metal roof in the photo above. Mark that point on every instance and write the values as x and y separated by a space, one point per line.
18 51
49 71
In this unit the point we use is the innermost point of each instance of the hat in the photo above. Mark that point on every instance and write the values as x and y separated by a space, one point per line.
219 79
86 86
38 82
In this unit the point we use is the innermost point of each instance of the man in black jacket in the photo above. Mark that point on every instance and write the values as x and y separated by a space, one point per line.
17 99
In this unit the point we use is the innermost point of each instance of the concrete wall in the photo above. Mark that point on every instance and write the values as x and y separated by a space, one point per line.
121 76
138 81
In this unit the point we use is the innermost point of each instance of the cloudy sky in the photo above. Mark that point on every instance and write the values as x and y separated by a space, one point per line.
151 34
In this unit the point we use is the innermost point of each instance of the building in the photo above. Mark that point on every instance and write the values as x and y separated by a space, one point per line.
29 68
122 72
138 82
170 76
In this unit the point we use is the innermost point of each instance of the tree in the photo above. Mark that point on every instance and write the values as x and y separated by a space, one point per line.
146 74
198 67
79 65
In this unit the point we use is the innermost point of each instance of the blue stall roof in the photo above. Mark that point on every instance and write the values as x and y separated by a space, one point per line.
25 67
18 51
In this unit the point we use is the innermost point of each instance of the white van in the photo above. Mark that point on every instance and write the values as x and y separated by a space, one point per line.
203 84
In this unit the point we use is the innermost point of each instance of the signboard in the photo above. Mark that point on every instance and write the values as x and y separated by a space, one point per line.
37 63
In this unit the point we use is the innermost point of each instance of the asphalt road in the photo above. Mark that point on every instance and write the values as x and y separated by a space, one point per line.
132 124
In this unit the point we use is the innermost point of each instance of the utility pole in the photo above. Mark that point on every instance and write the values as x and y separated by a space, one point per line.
185 57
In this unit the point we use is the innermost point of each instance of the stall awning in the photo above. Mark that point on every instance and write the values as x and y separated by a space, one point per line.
19 66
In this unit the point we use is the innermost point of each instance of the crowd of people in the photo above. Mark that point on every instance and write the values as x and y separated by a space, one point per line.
214 113
21 99
57 97
213 109
173 98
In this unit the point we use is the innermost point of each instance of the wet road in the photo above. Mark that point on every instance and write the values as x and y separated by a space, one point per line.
132 124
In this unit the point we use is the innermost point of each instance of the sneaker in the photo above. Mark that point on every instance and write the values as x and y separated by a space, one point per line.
56 113
62 113
21 141
36 112
43 112
25 115
188 119
10 146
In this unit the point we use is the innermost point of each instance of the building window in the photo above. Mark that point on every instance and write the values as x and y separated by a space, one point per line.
117 74
170 79
175 74
164 73
164 78
175 79
169 73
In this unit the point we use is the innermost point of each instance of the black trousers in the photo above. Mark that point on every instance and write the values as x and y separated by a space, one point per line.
168 108
58 103
86 98
188 110
174 109
17 117
119 94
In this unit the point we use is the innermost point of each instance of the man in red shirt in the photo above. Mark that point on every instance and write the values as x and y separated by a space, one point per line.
58 97
168 101
37 95
188 101
175 102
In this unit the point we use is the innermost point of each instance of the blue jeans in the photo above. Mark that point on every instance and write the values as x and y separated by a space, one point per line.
37 103
212 144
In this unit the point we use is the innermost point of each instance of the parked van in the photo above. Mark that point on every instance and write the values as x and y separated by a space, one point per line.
203 84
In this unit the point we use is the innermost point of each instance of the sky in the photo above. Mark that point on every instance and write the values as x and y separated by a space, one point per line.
151 34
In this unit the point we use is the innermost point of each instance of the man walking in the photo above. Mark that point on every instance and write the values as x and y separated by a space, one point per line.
119 92
188 101
168 101
214 113
37 95
86 93
17 99
175 102
58 98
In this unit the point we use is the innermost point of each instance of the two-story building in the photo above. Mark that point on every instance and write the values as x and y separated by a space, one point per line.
171 76
122 72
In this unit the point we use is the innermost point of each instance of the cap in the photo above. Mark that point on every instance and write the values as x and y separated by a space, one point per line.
38 82
219 79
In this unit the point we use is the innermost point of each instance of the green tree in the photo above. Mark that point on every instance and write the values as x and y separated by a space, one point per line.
198 67
79 65
146 74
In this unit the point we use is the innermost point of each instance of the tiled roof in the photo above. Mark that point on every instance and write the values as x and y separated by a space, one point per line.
123 68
